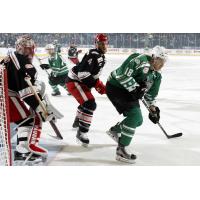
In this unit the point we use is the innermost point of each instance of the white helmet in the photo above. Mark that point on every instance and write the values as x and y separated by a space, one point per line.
49 47
159 52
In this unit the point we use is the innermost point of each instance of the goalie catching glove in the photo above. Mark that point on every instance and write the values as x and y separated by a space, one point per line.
154 115
50 113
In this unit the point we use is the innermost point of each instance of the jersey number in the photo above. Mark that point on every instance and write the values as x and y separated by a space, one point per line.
129 72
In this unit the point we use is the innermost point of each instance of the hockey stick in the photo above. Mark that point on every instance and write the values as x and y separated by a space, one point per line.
27 79
41 58
168 136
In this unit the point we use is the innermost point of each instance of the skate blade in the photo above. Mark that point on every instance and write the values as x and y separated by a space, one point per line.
55 137
119 158
112 137
37 162
82 143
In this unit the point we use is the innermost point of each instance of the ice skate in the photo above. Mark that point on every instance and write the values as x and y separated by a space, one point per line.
114 132
56 93
82 138
76 123
30 158
123 156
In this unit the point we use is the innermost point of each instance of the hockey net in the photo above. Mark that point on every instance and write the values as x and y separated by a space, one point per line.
5 145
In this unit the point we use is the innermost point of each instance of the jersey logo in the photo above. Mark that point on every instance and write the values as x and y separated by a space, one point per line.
90 61
137 61
145 70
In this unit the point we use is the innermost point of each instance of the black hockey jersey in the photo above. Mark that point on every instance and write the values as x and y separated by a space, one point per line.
89 69
16 74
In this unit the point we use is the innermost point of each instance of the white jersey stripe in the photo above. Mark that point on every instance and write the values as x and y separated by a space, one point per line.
129 128
19 107
81 91
126 134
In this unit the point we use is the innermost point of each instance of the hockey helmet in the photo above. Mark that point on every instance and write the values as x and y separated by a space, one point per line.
101 42
25 45
101 38
49 46
159 52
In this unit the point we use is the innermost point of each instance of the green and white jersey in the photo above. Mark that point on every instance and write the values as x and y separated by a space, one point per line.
57 65
135 70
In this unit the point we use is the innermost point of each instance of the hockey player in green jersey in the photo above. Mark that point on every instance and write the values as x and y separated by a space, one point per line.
58 68
138 77
57 46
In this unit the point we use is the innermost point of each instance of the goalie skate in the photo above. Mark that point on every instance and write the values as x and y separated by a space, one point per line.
29 159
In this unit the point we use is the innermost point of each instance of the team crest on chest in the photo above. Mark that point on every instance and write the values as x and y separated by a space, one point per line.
137 61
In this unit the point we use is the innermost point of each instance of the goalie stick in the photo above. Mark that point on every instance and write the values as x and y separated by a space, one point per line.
163 130
27 79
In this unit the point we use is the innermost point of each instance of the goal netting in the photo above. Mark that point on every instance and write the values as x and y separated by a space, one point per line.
5 146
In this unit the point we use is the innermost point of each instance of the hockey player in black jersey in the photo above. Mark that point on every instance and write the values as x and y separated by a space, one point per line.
29 119
81 79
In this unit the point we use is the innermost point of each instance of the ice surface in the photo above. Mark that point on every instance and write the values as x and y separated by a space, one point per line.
179 102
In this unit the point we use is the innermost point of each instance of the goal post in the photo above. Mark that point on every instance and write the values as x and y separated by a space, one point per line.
5 140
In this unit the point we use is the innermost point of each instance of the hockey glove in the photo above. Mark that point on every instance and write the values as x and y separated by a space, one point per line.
45 115
154 116
100 87
45 66
139 91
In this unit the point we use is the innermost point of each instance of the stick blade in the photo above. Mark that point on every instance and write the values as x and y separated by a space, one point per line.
55 137
175 135
58 134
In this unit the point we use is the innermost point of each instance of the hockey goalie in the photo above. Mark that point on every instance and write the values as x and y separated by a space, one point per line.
25 110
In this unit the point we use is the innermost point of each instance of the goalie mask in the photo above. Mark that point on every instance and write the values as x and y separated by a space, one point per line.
25 46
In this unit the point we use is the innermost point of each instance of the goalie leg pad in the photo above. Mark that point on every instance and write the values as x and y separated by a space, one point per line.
22 139
33 142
